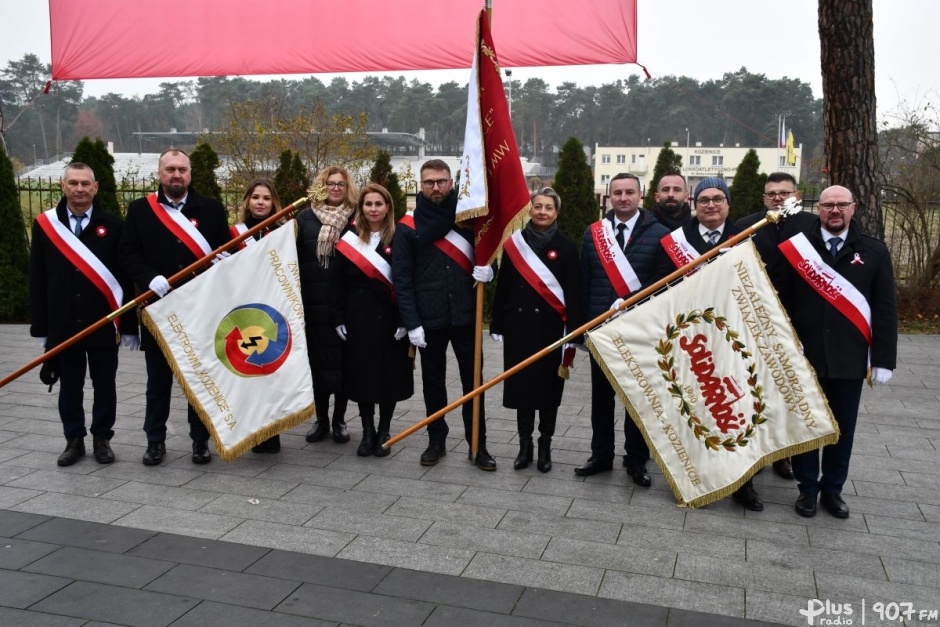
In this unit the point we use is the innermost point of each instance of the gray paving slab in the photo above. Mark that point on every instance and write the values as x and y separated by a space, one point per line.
21 589
238 506
24 618
77 507
16 553
99 566
160 495
444 560
180 521
535 573
289 538
561 526
211 614
115 604
198 551
449 590
689 595
576 609
444 616
13 523
350 606
224 586
370 524
899 570
599 555
352 500
89 535
336 573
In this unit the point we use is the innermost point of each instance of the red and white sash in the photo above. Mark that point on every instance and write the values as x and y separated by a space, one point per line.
828 283
453 244
619 271
241 229
80 256
364 257
678 248
536 273
183 229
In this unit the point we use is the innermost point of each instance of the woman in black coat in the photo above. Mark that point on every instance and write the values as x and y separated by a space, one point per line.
376 366
319 228
529 318
259 202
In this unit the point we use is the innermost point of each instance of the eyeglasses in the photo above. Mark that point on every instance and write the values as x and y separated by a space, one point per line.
431 184
777 194
717 200
336 184
829 206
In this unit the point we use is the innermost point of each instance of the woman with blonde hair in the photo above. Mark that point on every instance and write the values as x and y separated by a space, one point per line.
376 365
319 229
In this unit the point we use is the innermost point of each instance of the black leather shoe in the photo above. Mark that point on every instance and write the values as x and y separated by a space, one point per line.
271 445
784 468
593 466
484 461
74 449
806 505
433 454
381 439
834 505
524 458
544 464
320 429
746 496
201 454
640 476
103 452
155 453
340 433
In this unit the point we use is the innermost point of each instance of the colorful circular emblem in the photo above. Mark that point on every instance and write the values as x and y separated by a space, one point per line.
552 254
253 340
101 231
723 397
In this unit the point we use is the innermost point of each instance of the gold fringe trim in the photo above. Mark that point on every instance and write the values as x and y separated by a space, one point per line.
470 214
244 445
717 495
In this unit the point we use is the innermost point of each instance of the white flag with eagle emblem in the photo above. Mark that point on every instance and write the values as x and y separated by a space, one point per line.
712 373
234 337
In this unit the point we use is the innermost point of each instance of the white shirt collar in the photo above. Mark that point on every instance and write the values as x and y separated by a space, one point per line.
704 230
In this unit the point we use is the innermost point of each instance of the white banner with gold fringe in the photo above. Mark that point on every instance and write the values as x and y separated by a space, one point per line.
234 337
713 374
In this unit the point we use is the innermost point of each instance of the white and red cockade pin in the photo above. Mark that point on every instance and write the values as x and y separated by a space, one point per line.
388 250
857 259
552 254
194 222
101 231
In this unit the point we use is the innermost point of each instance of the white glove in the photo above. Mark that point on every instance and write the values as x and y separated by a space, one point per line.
497 337
160 285
416 337
483 274
220 257
42 342
400 332
616 304
880 376
341 332
131 342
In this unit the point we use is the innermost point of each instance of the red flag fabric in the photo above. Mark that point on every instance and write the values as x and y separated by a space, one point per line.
146 38
491 156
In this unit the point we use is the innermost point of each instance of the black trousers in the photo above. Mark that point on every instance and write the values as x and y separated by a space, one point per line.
102 364
603 406
159 386
844 396
434 378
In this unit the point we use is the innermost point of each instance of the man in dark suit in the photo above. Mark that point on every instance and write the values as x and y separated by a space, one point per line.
838 287
777 189
159 242
75 279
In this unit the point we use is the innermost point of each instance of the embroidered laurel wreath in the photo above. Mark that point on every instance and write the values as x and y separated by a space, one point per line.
666 364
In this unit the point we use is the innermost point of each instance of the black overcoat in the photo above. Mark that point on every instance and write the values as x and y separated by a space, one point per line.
528 324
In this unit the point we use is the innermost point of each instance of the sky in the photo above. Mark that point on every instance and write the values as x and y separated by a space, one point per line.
676 37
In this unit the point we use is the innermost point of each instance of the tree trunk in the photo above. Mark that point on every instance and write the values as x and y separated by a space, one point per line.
847 48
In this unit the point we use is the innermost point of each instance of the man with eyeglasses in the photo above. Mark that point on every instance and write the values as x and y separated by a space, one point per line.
619 256
434 273
777 189
838 287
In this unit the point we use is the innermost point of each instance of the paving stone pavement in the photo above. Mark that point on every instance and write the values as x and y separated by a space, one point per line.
317 536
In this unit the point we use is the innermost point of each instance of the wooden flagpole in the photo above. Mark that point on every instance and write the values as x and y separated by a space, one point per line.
772 217
314 192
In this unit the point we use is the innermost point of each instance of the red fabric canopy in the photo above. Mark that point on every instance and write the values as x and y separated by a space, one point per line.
145 38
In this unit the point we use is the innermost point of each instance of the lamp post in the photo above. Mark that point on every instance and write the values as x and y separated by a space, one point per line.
509 76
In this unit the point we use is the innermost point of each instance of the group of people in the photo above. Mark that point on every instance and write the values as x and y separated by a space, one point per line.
375 291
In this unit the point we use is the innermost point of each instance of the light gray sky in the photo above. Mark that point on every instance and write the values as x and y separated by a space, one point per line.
676 37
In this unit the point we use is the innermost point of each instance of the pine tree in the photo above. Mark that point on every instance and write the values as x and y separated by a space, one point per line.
382 174
95 155
204 160
14 249
290 179
574 183
747 188
668 161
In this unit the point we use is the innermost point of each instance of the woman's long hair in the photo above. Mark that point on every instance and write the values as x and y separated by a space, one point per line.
388 224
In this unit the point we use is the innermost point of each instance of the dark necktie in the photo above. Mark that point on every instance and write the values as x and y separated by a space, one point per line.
78 223
173 205
834 245
713 237
620 238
